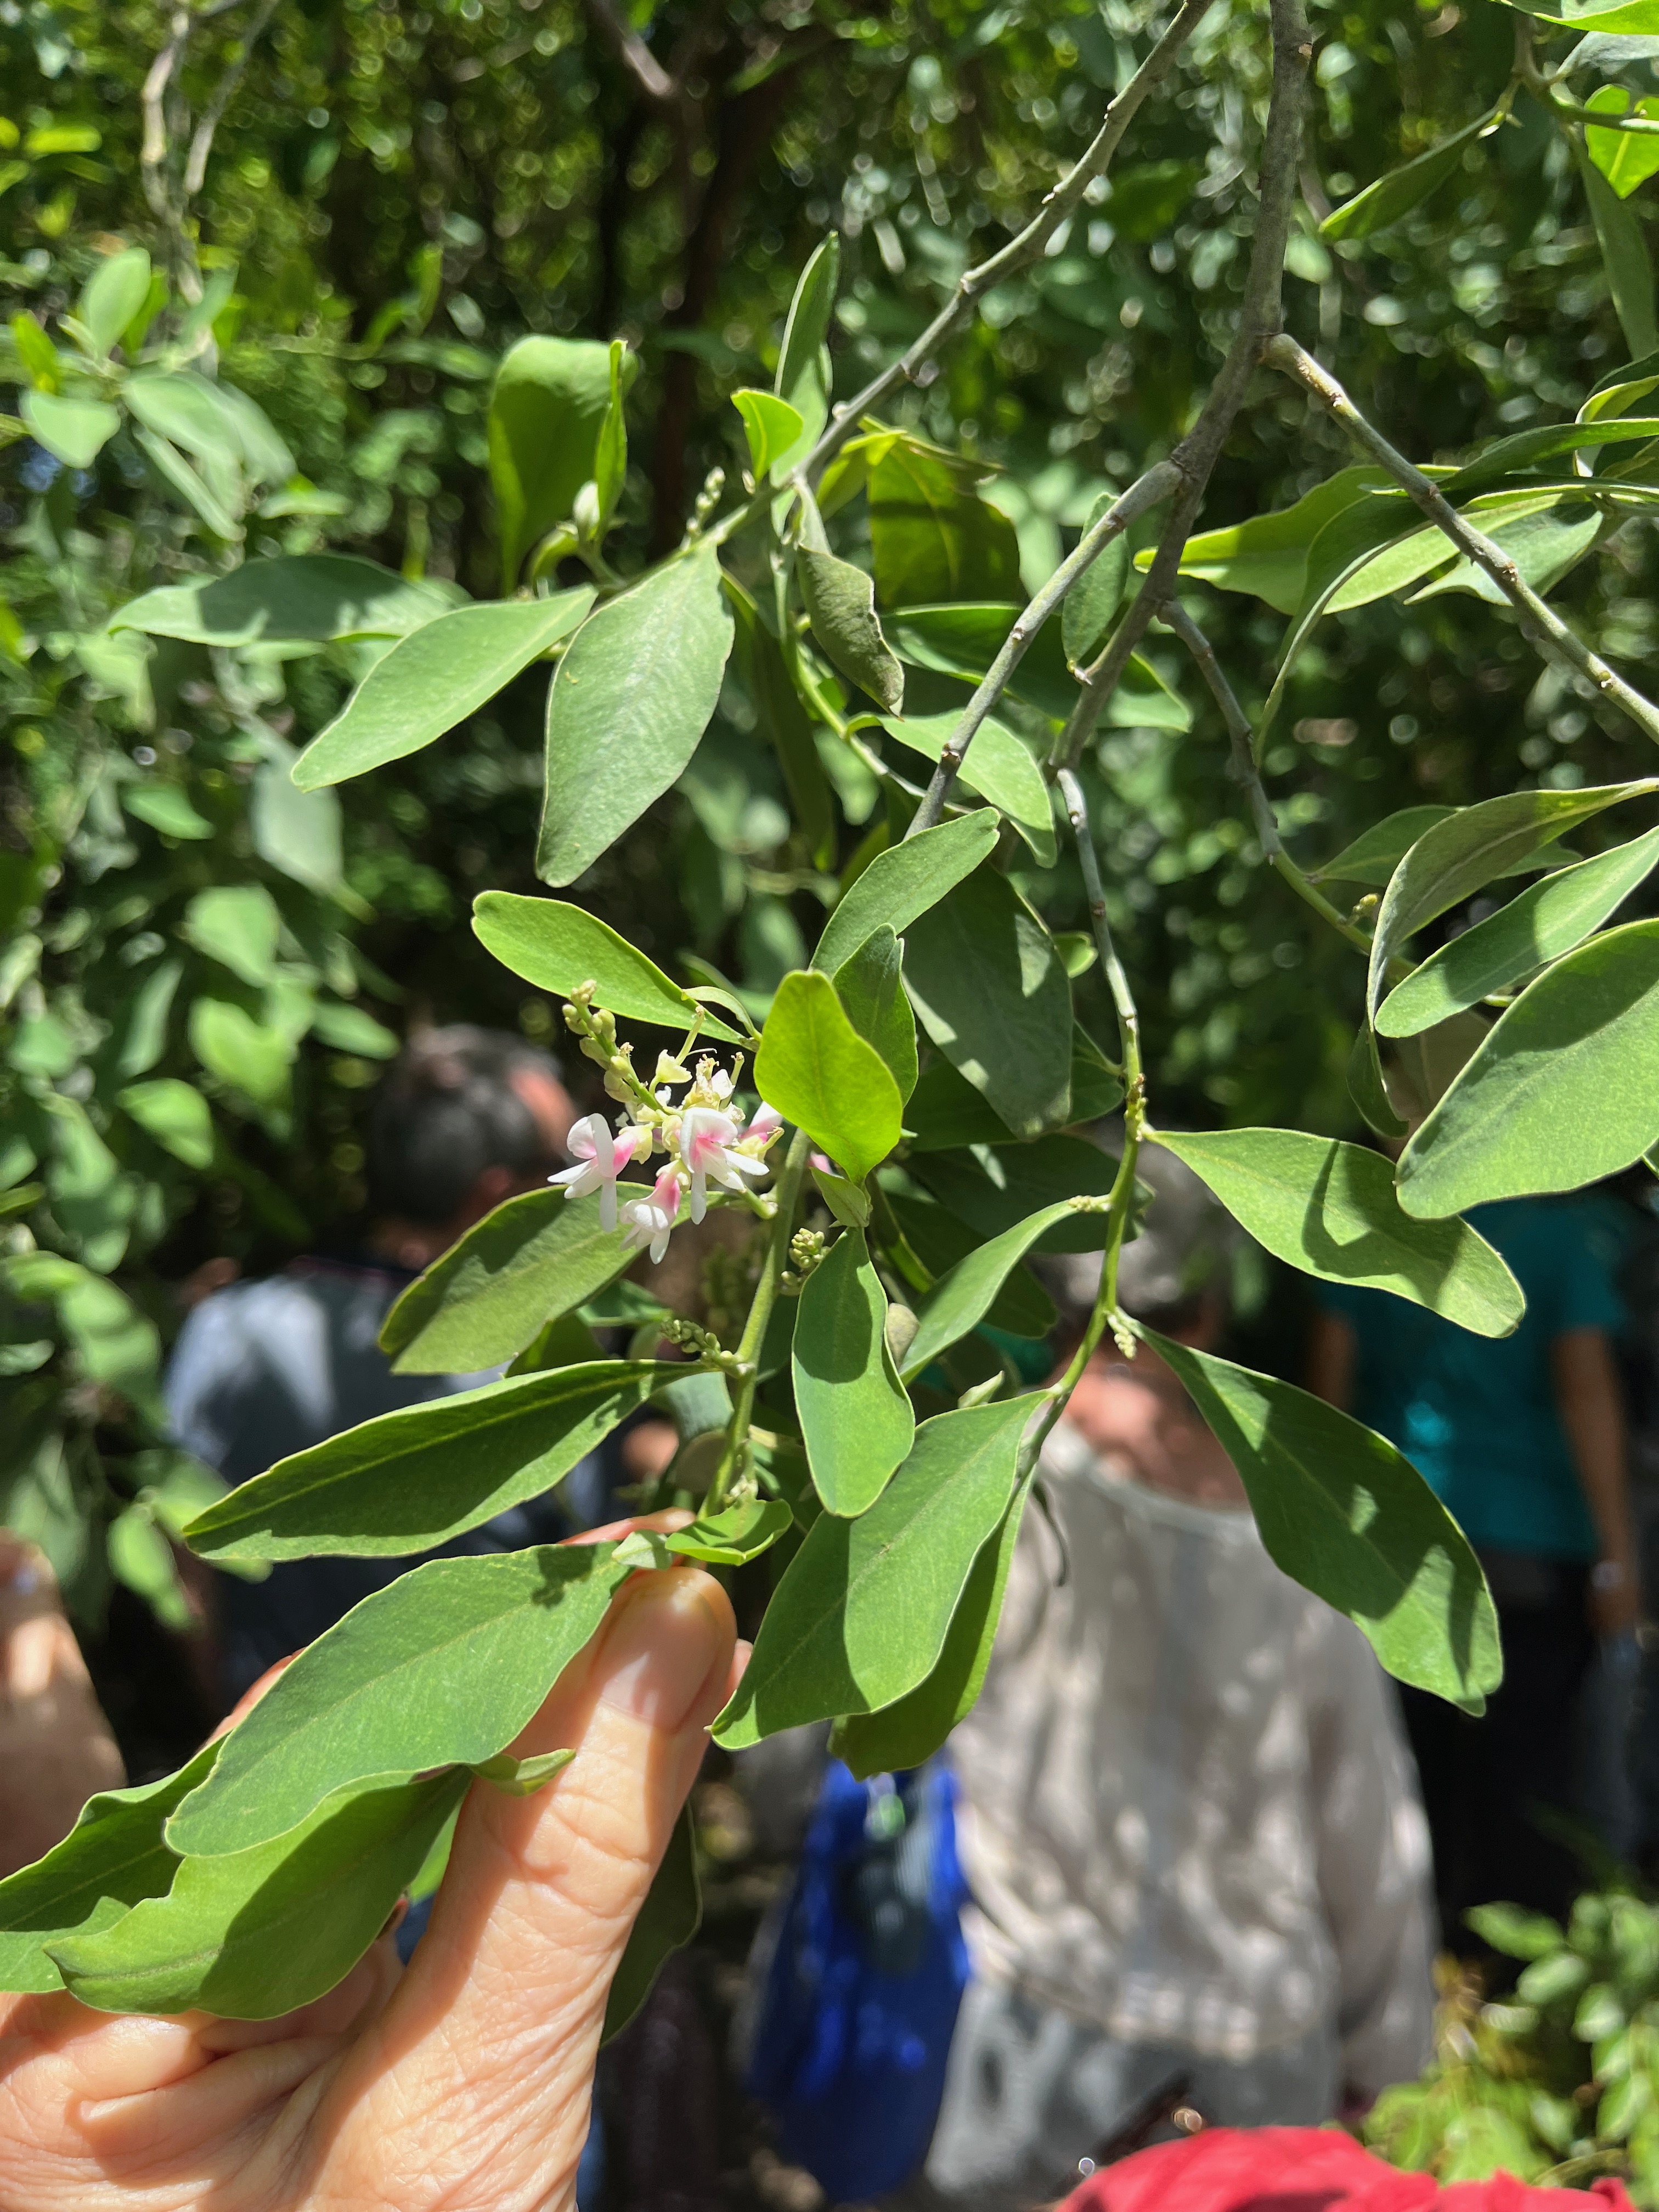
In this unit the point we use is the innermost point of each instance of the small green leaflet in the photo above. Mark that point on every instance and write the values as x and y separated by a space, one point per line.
409 1481
175 1115
255 1933
903 883
1329 1209
840 607
728 1538
818 1071
443 1668
113 296
73 431
1347 1517
771 425
250 1056
1544 922
352 1028
610 452
1085 620
667 1920
238 925
632 695
312 598
941 1243
1396 194
861 1615
803 377
959 1301
1625 158
1625 256
435 679
559 947
998 766
1375 853
165 808
546 411
521 1778
871 989
1563 1091
530 1261
854 1416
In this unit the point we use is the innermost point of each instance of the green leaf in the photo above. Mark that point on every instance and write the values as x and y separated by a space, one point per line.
141 1557
165 808
849 1201
351 1029
1268 555
1377 852
251 1057
1504 455
1396 194
1563 1092
1329 1209
840 607
944 1112
871 989
220 514
433 679
1626 257
238 925
522 1778
411 1480
1085 620
904 1735
559 947
959 1301
442 1668
903 883
855 1417
1543 547
300 599
772 426
114 1342
861 1615
992 1190
1514 1931
963 639
1347 1517
176 1114
932 536
1545 921
668 1920
818 1071
784 722
994 995
73 431
112 296
530 1261
111 1858
632 695
803 378
941 1242
545 412
610 453
999 767
729 1539
255 1933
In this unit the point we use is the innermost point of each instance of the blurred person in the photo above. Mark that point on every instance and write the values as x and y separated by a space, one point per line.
465 1118
1522 1439
55 1747
1186 1818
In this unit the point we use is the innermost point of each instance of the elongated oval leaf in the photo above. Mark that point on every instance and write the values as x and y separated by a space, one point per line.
73 431
115 292
530 1261
871 989
411 1480
1396 194
771 425
934 538
442 1668
435 679
999 767
175 1114
1330 1209
903 881
301 598
818 1071
1350 1519
803 379
855 1417
942 1241
1538 927
1375 853
863 1610
840 605
1625 256
1564 1090
960 1300
1085 620
559 947
629 700
253 1057
547 405
1267 555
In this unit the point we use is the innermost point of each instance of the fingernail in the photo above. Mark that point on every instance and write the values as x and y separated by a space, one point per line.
668 1633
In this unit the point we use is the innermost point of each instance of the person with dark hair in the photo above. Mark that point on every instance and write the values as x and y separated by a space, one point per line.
465 1118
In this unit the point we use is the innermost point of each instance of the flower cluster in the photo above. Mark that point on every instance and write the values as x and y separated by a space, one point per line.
706 1140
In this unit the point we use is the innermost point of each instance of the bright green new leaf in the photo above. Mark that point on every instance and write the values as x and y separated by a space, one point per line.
903 883
351 1029
112 296
728 1538
994 997
861 1615
141 1557
411 1480
36 353
610 453
632 695
545 412
1085 620
1350 1519
530 1261
855 1419
73 431
818 1071
803 377
238 925
1563 1092
959 1301
849 1201
1377 852
667 1920
165 808
840 607
871 989
114 1341
1625 256
297 599
251 1056
435 679
999 766
441 1668
175 1114
522 1778
1538 927
1396 194
771 425
255 1933
559 947
933 538
1329 1209
995 1190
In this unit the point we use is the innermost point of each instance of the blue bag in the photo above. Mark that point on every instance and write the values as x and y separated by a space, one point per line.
861 1993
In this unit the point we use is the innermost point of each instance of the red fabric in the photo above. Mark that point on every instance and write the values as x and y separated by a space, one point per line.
1305 2170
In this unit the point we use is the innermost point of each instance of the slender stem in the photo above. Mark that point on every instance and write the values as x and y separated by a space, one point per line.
1645 126
1540 625
760 1314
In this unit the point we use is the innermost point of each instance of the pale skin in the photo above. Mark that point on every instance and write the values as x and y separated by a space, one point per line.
459 2085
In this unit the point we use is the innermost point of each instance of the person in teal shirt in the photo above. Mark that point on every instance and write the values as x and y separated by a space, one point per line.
1522 1439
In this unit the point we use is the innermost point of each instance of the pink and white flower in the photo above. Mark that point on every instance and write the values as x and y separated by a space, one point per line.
648 1220
708 1142
600 1157
765 1126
